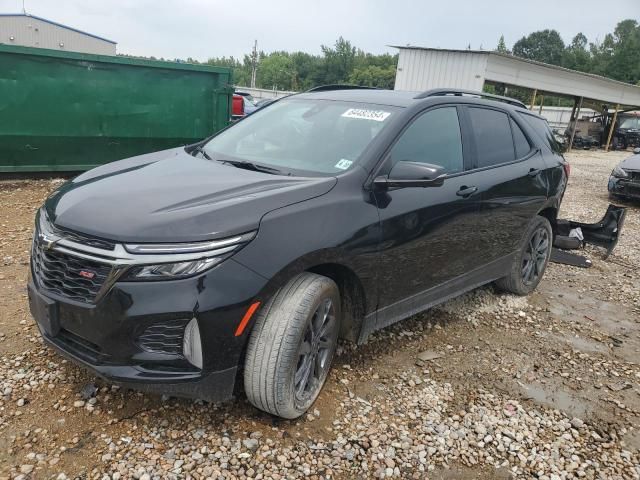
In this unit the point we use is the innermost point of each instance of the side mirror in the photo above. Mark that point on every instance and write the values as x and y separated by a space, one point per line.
412 174
636 150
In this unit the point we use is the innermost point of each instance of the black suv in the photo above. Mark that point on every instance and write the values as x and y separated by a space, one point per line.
325 215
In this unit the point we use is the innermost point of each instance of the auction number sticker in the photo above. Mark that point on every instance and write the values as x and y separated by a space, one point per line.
365 114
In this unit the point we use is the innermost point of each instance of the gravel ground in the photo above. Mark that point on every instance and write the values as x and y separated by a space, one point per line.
486 386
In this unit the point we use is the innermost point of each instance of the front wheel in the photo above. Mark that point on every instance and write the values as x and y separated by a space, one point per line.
292 346
531 260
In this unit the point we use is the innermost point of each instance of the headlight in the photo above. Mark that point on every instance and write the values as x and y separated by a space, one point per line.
180 260
619 172
174 270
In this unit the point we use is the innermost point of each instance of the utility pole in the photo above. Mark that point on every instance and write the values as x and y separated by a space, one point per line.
254 63
24 10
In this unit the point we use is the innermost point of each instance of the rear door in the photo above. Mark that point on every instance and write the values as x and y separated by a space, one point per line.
427 233
510 176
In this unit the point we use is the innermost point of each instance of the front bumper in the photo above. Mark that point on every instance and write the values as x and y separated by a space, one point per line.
110 337
624 187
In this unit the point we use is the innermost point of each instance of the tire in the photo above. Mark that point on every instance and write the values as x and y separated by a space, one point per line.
525 273
292 345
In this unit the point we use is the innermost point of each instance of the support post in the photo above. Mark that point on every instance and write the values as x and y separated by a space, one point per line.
533 98
575 121
613 124
541 104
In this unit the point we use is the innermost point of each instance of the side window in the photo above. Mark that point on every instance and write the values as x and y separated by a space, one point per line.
542 129
492 134
434 137
520 141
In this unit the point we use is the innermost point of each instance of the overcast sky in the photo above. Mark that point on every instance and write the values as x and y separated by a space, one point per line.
204 28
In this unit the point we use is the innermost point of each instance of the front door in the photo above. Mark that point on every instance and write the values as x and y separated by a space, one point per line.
427 233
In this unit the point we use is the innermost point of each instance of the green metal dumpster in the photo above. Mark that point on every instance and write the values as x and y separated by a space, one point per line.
64 111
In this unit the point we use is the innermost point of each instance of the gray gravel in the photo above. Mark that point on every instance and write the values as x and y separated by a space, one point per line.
440 393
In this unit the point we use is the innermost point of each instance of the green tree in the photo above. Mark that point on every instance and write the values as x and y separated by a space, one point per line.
576 55
544 46
307 70
276 71
338 61
373 76
241 71
618 56
502 46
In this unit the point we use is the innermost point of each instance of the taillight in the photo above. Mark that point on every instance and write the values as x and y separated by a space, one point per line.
237 108
567 168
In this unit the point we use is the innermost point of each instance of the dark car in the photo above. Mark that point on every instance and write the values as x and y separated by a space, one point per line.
331 214
627 132
625 178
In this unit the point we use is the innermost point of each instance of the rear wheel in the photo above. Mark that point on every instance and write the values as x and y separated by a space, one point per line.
531 261
292 346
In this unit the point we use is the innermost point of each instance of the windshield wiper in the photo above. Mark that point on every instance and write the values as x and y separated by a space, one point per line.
252 166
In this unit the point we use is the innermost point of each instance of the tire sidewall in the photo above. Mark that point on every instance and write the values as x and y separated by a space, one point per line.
537 223
514 280
291 407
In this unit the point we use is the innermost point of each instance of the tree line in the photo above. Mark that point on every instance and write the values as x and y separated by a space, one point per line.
617 56
295 71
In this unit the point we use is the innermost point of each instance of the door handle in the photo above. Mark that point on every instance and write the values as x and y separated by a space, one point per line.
465 191
534 172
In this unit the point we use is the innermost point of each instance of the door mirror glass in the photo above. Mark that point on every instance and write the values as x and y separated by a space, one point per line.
412 174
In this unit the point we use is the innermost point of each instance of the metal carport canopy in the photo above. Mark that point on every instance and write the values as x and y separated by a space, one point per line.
421 68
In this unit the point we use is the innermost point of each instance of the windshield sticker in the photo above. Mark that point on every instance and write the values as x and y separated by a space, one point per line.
343 164
364 114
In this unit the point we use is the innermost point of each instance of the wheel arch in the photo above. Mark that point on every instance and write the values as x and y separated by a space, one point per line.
352 297
551 214
357 297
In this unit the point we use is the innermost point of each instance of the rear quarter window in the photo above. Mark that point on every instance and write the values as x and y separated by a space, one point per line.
520 141
542 131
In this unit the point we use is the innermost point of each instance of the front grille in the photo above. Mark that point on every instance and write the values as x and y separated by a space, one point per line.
60 274
165 337
634 176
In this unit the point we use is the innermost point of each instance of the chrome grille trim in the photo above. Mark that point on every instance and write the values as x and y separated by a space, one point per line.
120 257
117 260
58 273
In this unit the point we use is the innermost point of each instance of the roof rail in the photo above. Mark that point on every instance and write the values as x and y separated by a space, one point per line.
441 92
326 88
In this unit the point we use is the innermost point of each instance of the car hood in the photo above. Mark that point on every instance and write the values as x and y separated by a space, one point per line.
171 196
631 163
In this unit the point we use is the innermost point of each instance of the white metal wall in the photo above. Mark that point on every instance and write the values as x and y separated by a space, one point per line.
424 68
420 70
31 32
559 116
520 72
259 93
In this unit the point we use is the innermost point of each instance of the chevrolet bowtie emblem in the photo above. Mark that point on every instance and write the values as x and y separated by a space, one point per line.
47 242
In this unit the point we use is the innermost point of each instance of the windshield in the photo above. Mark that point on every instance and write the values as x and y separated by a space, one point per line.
320 136
630 122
